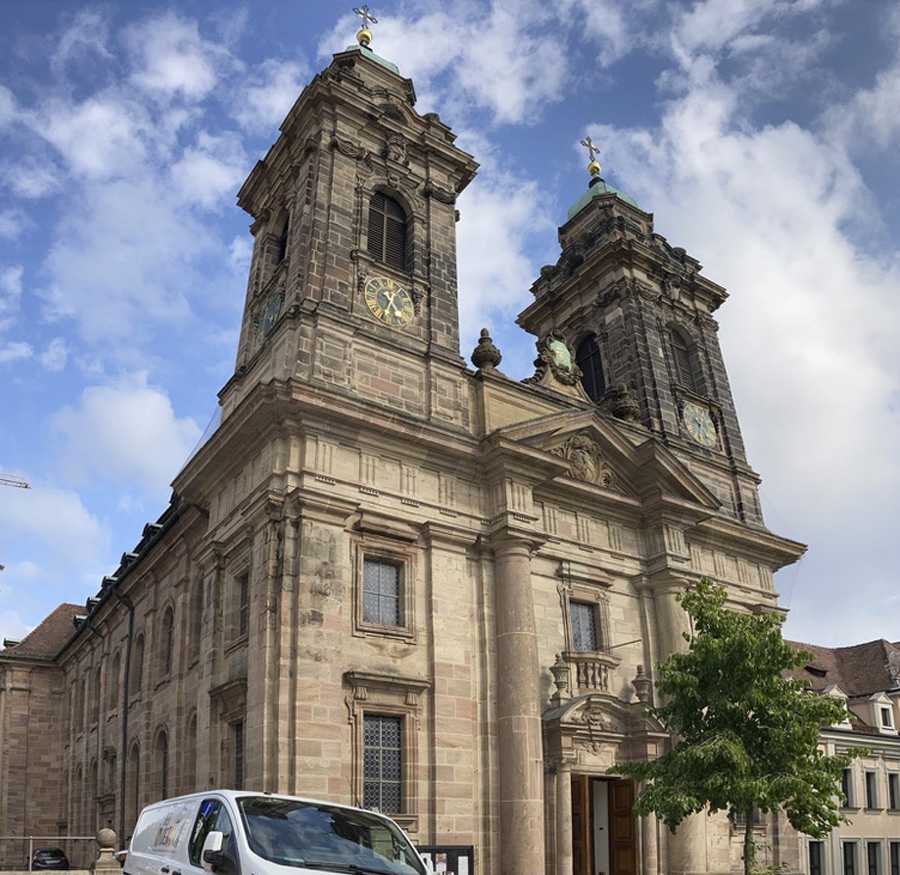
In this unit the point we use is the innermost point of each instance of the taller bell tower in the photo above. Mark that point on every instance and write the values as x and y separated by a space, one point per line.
637 315
352 283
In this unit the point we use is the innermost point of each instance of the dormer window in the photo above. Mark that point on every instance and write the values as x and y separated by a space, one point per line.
387 235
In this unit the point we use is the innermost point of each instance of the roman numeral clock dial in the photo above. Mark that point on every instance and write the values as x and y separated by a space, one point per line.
388 301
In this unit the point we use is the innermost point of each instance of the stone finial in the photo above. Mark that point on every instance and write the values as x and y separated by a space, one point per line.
560 672
486 356
106 858
642 686
625 405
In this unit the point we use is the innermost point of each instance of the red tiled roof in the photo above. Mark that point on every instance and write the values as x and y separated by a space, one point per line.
48 637
860 670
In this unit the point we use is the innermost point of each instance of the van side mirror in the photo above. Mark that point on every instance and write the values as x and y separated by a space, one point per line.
212 857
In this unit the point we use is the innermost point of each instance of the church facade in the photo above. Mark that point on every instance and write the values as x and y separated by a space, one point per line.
394 580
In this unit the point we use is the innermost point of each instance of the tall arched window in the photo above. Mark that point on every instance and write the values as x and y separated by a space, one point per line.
137 666
113 680
683 361
587 357
190 756
387 231
133 780
167 642
161 764
96 695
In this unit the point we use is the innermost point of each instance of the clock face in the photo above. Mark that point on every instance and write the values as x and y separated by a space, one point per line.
699 424
389 302
268 316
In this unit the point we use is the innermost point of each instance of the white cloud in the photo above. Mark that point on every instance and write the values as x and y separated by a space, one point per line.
268 93
172 59
54 357
209 172
82 42
32 177
11 626
505 61
125 432
10 294
11 222
15 351
122 262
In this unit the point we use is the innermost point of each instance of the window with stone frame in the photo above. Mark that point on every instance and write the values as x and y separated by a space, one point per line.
237 608
583 616
895 858
587 357
385 717
383 762
166 643
893 790
136 670
384 586
387 231
237 754
848 788
816 858
382 595
873 858
849 850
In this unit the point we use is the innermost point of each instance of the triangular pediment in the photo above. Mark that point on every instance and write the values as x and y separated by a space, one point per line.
599 452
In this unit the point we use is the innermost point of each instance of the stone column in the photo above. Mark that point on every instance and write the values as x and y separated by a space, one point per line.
650 845
564 860
518 717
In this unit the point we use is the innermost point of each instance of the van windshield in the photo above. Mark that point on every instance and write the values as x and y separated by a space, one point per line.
319 836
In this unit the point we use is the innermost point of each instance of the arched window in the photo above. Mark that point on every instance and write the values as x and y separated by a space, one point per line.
113 680
387 231
190 756
96 695
167 642
683 360
587 357
137 666
161 764
133 795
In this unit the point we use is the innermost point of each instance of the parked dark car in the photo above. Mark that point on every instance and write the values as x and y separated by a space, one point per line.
49 858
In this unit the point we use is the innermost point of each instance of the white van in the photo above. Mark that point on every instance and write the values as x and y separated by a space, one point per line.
232 832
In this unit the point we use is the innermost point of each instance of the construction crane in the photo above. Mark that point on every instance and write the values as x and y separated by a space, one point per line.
13 480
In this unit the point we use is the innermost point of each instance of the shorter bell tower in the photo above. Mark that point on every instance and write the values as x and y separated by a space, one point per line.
637 315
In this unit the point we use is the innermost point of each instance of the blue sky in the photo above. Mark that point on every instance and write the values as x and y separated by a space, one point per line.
762 134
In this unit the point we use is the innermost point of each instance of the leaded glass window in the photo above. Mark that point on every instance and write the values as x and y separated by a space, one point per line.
383 763
381 593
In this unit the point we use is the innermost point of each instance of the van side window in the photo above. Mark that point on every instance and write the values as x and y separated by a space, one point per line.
212 817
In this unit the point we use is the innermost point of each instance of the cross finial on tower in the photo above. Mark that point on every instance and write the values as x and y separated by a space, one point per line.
594 166
364 37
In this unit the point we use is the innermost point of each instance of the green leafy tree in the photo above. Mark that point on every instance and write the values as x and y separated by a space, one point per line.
746 736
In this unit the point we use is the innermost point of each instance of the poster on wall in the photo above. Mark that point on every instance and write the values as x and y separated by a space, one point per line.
449 859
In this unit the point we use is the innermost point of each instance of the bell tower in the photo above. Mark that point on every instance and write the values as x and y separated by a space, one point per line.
352 284
637 317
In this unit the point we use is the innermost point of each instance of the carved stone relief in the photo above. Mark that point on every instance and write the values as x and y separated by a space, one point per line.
586 462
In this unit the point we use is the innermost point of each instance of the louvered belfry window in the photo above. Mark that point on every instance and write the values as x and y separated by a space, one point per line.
587 357
387 231
681 356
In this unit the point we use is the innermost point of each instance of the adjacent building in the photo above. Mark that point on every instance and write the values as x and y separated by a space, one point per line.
395 580
867 676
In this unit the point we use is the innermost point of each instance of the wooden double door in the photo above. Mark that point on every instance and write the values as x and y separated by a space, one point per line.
603 826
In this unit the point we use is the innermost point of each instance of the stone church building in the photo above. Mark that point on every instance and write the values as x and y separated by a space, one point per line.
396 580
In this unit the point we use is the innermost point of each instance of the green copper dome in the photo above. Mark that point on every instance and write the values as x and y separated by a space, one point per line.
598 187
365 50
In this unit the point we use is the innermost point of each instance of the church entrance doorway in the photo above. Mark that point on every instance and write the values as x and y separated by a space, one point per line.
603 828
